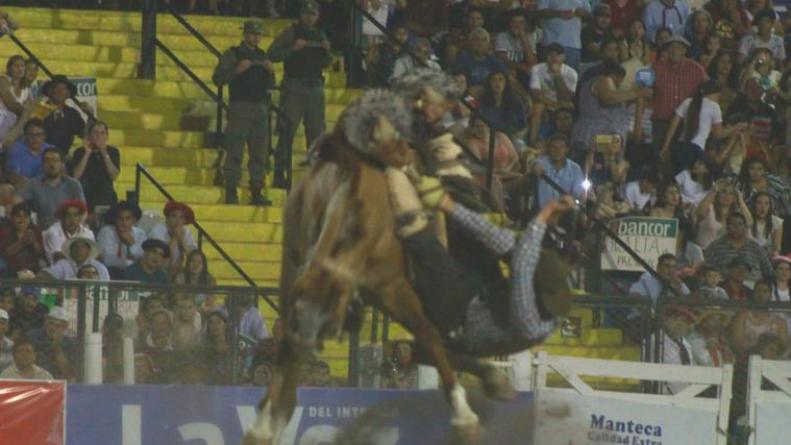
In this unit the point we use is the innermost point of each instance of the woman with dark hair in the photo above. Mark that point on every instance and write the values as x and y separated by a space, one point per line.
669 203
767 228
602 107
97 165
699 117
694 182
724 69
699 27
21 243
501 107
13 93
755 179
781 286
196 273
711 47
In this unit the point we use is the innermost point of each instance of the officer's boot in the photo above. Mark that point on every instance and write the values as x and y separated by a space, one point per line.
256 197
230 195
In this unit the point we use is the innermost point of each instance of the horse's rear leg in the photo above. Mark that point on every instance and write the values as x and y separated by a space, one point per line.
401 302
276 408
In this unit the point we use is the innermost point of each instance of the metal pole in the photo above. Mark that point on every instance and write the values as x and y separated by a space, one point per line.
374 324
354 359
81 327
490 164
148 33
219 116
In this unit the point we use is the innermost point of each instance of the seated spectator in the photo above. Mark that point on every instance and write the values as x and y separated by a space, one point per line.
6 344
698 28
724 69
96 165
640 193
477 62
77 251
21 243
506 159
159 337
251 323
381 58
217 348
88 272
64 122
608 204
565 172
782 279
148 306
767 228
737 244
24 366
517 46
7 195
711 279
764 23
151 267
750 325
29 313
652 287
668 204
196 271
709 340
624 14
175 233
71 217
689 255
552 86
187 324
755 179
261 374
694 182
713 211
458 36
14 93
594 34
56 351
47 192
501 107
321 375
710 50
26 156
735 281
420 57
400 371
120 239
31 74
7 298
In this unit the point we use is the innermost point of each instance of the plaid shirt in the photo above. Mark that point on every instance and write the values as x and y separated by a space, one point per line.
522 326
674 83
720 253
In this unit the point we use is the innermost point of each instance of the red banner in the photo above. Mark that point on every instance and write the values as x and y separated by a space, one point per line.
32 412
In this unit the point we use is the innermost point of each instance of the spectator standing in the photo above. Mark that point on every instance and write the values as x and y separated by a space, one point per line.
71 217
730 21
21 243
64 122
518 46
56 351
248 72
26 156
242 310
420 57
151 267
97 165
562 23
426 17
6 344
552 85
594 34
24 366
175 233
624 14
305 51
724 69
477 62
676 79
737 244
699 27
565 172
47 192
765 125
77 251
121 241
669 14
14 94
764 22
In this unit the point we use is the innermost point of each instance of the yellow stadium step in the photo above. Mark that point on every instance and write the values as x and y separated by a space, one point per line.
176 139
270 252
588 337
229 213
258 271
168 176
164 157
626 353
131 21
196 194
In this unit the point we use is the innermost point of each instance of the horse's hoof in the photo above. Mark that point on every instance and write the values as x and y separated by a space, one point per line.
497 385
469 433
250 439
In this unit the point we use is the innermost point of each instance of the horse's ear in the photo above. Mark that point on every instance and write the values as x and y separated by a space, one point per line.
383 131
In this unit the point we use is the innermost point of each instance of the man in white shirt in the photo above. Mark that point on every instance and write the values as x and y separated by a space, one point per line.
552 85
175 233
650 286
79 251
6 345
24 366
120 241
70 215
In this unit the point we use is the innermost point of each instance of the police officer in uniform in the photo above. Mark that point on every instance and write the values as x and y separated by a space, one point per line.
249 74
305 51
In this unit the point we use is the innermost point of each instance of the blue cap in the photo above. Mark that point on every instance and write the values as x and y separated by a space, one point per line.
31 290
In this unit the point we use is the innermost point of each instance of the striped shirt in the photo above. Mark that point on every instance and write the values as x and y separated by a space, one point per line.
674 83
721 253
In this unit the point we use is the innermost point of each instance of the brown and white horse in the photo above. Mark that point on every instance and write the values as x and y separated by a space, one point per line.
340 241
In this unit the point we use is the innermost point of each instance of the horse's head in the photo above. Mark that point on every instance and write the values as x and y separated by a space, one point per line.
320 297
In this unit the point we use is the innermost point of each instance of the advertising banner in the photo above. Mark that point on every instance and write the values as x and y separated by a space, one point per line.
569 418
32 412
188 415
649 237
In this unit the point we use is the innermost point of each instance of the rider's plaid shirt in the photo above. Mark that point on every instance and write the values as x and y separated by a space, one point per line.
523 325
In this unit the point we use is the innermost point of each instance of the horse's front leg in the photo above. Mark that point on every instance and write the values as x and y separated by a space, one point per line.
401 302
276 408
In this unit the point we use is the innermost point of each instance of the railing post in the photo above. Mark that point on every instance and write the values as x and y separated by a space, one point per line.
219 116
490 164
137 183
82 305
354 359
148 33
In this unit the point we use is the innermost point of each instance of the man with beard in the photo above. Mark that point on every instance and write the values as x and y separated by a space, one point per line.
48 192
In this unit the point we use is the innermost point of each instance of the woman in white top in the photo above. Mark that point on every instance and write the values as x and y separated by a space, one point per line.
782 280
702 117
767 228
13 94
713 211
694 182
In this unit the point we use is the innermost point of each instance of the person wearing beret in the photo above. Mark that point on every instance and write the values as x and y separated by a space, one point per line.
70 223
175 233
120 240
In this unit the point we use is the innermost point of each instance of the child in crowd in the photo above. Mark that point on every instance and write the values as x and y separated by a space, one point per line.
711 278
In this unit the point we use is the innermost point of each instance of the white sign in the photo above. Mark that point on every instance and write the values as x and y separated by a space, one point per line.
648 237
769 401
566 418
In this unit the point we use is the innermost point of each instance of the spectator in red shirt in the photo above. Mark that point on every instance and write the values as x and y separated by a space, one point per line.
734 286
21 243
677 78
624 13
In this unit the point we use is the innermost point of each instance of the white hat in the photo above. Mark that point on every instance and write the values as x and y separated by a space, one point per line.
4 315
58 313
66 247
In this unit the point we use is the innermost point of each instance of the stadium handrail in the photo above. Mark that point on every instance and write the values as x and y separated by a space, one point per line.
140 172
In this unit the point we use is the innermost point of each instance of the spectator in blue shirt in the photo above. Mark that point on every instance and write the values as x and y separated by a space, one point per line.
565 172
562 22
477 62
27 155
670 14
